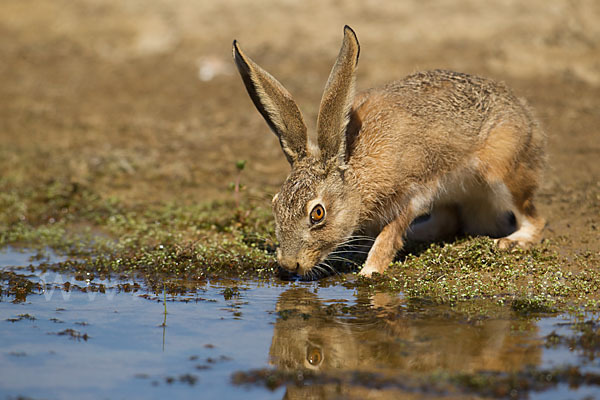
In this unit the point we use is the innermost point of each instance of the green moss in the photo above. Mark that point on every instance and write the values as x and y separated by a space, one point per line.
486 384
190 242
104 236
537 280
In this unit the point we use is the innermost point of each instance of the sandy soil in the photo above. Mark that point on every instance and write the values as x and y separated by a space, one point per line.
139 99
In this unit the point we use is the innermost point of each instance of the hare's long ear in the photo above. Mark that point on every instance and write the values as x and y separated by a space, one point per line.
275 104
334 112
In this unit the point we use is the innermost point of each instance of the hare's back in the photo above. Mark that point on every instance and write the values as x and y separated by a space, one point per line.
437 108
430 121
460 102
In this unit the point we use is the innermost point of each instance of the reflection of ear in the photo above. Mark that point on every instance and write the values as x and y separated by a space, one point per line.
275 104
383 301
299 300
336 103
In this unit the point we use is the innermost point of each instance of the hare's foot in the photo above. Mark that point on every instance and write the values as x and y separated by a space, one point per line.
522 183
530 225
387 243
370 268
528 234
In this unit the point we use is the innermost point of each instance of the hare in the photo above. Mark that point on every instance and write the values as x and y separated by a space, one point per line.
461 149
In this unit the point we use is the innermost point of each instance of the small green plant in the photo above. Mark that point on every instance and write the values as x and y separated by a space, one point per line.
236 186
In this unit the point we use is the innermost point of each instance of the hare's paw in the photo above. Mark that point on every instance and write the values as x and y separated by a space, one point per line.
371 267
367 271
507 243
528 234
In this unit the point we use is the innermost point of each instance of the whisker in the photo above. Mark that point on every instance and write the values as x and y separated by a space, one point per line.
353 250
323 269
355 243
319 268
361 237
348 252
368 238
322 266
333 270
345 260
338 257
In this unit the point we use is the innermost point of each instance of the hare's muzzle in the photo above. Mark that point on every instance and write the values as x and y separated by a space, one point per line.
286 262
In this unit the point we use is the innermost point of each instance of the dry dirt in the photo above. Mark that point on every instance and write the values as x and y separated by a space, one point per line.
140 100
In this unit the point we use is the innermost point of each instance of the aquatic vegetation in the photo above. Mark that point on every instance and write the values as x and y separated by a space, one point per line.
173 243
536 280
497 385
116 162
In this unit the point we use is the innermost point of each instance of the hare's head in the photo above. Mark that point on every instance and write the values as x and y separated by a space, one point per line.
316 210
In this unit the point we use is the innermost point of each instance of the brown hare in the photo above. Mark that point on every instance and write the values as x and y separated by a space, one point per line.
461 149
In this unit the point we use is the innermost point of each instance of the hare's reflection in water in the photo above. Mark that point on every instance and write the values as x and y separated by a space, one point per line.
385 337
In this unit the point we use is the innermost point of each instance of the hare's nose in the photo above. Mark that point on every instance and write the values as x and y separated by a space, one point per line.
288 263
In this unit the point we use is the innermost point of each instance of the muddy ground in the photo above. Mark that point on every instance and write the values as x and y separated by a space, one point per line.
139 102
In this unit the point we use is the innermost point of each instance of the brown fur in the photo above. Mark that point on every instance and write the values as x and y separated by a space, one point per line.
461 148
392 341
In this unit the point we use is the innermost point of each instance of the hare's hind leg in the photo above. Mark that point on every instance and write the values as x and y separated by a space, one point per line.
511 164
529 223
528 234
489 211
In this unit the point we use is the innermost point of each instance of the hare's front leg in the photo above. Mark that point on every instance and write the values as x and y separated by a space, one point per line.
386 245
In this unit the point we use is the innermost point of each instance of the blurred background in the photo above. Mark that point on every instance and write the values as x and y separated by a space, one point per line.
140 100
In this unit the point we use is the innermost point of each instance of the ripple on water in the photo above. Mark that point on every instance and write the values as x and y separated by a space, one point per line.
69 339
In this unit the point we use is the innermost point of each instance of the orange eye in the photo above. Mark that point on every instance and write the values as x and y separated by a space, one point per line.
317 214
313 356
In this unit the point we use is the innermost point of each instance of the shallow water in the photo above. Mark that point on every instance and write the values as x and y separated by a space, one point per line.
233 339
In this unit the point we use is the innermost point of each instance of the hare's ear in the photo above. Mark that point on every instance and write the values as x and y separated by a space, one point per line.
334 112
275 104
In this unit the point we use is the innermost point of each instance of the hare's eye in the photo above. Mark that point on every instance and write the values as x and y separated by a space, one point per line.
314 356
317 214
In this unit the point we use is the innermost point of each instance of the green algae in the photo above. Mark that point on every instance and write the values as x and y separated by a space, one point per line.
493 384
186 243
535 280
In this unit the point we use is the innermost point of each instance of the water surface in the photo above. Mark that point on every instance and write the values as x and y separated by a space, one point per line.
78 337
